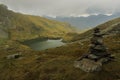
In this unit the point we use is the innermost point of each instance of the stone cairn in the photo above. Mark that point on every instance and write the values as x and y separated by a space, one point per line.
97 56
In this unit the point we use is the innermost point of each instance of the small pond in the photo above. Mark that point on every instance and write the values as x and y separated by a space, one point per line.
44 44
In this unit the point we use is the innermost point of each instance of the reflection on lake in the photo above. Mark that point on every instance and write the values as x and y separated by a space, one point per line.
46 44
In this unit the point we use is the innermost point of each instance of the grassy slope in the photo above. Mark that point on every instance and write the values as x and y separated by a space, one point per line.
21 26
57 64
108 28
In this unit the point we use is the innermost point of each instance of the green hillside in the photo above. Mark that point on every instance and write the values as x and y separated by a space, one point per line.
109 28
22 27
57 63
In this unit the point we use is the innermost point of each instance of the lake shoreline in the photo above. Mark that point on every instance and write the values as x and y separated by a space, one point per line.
39 39
43 43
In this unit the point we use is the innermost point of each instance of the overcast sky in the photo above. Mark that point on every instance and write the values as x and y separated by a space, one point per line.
64 7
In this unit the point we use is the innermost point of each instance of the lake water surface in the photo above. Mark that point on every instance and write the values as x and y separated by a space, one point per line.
42 45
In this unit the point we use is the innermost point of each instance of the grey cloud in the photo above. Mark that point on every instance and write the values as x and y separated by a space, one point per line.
63 7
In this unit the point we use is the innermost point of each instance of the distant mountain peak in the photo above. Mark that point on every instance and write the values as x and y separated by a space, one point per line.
86 21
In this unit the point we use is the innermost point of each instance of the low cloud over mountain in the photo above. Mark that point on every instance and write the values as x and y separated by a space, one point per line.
64 7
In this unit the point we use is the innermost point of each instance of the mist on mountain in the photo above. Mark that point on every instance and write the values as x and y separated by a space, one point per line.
86 22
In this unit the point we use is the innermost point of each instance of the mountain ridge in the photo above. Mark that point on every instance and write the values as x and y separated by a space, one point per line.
86 22
110 27
22 27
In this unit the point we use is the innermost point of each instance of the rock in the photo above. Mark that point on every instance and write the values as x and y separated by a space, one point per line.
92 56
97 56
104 60
80 43
14 56
88 65
6 47
107 59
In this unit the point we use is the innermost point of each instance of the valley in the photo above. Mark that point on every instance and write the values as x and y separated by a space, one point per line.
41 53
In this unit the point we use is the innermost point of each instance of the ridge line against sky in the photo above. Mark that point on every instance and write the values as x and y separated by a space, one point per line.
64 7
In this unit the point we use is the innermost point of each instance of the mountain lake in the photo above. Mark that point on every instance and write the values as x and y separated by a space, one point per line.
39 45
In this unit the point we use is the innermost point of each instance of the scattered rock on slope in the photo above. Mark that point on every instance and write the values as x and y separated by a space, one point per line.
88 65
14 56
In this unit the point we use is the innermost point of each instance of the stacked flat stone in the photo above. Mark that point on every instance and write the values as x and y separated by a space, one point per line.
97 48
97 56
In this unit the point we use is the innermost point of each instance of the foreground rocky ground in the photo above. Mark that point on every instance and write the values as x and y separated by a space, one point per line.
57 63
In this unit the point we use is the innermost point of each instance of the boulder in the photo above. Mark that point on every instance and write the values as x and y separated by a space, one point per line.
88 65
14 56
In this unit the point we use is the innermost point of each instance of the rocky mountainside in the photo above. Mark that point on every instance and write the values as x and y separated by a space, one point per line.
19 26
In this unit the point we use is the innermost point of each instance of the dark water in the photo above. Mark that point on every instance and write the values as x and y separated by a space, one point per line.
46 44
